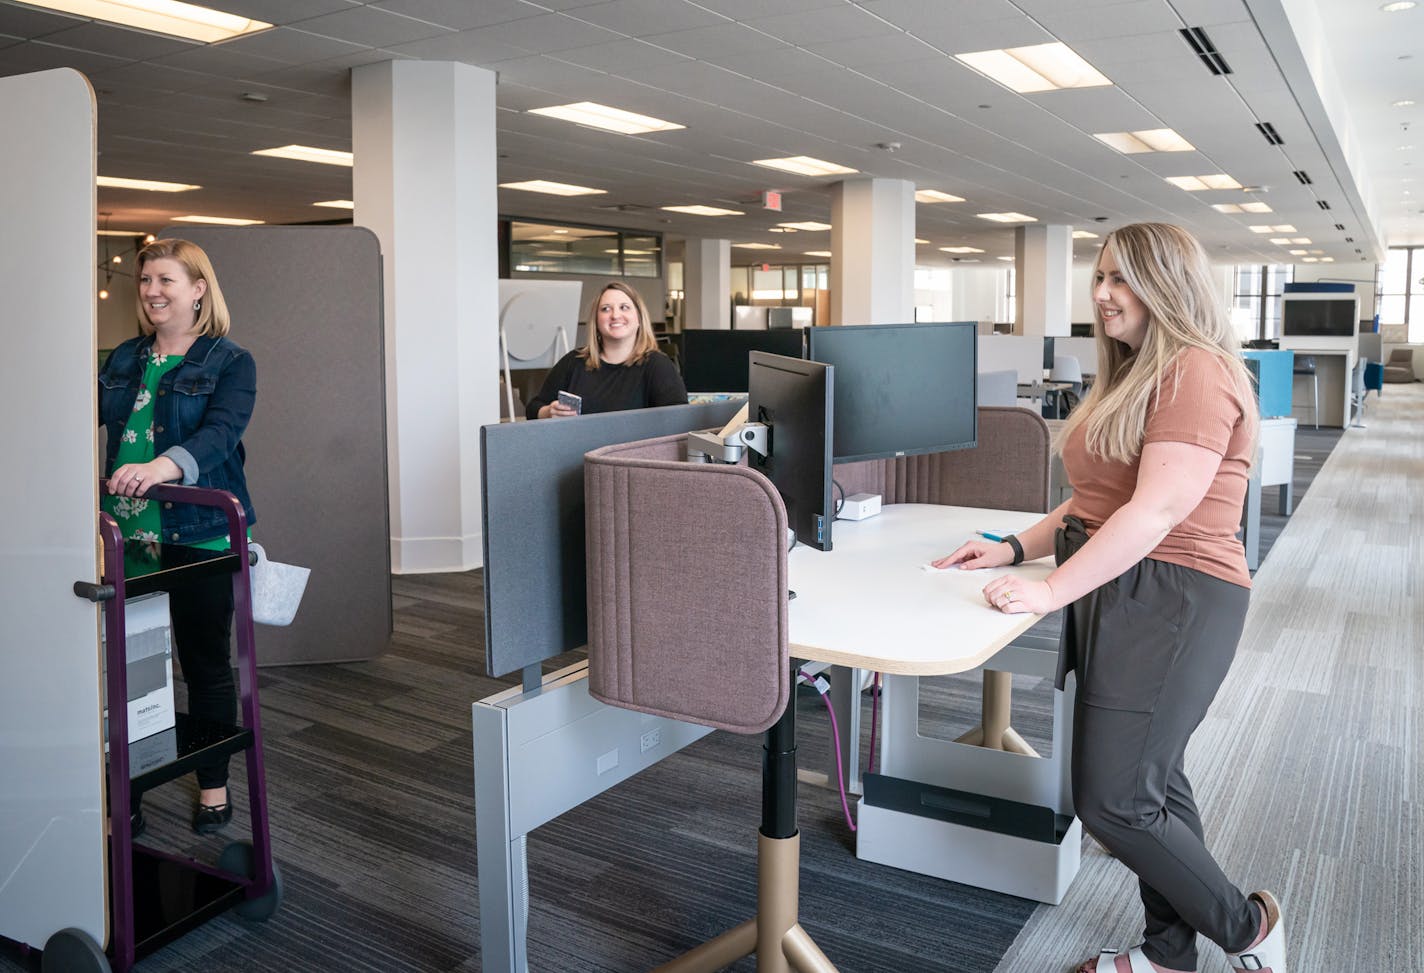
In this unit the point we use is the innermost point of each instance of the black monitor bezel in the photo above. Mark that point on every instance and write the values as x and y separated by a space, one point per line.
799 456
691 338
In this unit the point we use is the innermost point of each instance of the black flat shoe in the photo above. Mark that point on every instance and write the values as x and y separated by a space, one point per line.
211 818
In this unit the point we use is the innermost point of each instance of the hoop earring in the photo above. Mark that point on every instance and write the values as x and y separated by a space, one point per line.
198 304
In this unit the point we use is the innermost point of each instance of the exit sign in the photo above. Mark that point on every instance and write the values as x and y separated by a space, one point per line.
771 199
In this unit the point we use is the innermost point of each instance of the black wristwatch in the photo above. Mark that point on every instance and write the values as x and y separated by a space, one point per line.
1013 542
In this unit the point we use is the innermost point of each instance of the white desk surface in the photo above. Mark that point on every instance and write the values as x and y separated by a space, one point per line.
870 604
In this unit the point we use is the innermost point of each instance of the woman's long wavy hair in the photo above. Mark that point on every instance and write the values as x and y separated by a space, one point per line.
646 343
1167 269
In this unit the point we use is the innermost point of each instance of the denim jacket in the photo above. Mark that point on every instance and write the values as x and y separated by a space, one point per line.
202 409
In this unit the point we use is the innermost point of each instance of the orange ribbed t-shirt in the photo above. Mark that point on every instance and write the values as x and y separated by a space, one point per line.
1197 404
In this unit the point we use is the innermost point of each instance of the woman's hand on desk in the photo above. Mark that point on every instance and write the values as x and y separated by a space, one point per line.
978 554
1013 595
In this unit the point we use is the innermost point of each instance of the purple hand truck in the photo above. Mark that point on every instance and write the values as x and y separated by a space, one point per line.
156 897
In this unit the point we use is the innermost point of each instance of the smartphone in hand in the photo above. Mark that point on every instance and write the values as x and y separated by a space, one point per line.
570 401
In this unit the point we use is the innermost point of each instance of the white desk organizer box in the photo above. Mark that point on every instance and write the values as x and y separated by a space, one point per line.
910 827
148 646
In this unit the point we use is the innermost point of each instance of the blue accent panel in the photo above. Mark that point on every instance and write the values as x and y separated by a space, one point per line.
1319 287
1276 378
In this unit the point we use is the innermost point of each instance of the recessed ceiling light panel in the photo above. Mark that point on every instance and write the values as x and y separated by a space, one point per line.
1008 217
804 165
935 196
810 226
170 17
606 117
337 204
552 188
151 185
216 220
1039 67
700 210
1146 140
309 153
961 250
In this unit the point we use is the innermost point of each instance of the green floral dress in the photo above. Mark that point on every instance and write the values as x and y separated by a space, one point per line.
138 518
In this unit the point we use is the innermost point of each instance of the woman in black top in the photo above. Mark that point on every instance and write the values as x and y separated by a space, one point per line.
620 368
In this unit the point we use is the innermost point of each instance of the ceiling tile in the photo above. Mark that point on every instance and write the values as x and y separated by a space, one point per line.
892 48
292 46
1071 24
617 57
983 35
27 23
835 24
641 18
40 56
748 9
940 17
120 42
373 27
549 33
218 60
284 11
717 43
458 15
470 46
1208 13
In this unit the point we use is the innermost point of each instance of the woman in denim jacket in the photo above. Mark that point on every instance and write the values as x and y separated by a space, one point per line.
174 402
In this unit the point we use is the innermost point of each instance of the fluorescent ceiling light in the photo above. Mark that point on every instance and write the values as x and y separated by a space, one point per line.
308 153
151 185
935 196
1327 260
700 210
1008 218
1195 184
169 17
610 119
1084 235
1397 5
1311 260
961 250
1146 140
804 165
217 220
818 253
758 246
1009 259
1317 251
1256 207
1226 207
918 240
1403 103
552 188
631 253
1298 253
1280 241
808 225
1300 239
1040 67
780 229
1278 228
336 204
127 233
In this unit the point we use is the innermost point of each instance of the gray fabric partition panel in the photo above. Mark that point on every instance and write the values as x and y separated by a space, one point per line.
307 302
532 501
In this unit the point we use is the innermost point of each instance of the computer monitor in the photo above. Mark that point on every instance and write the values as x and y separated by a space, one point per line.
1079 330
1334 317
901 389
1048 354
716 361
795 398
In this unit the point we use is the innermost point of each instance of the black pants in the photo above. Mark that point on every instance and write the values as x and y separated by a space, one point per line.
201 610
1150 650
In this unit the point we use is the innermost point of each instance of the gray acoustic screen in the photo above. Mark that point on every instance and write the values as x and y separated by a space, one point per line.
307 302
532 498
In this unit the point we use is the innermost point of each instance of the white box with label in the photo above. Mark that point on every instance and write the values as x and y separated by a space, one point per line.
148 651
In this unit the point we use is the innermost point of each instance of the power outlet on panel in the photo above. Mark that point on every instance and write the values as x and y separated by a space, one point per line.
652 738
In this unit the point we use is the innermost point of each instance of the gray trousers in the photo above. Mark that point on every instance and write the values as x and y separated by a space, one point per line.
1150 650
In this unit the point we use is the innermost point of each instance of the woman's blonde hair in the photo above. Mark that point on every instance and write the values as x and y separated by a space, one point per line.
646 342
213 319
1167 269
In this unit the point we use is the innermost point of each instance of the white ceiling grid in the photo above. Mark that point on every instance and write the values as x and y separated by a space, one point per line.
750 79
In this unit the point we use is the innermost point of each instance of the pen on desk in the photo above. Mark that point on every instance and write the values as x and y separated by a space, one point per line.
989 535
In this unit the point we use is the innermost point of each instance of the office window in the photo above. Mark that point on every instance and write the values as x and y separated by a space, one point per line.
1400 286
565 249
784 285
1256 298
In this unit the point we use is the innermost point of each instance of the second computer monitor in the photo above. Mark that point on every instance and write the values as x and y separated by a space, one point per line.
1047 354
901 389
716 361
794 398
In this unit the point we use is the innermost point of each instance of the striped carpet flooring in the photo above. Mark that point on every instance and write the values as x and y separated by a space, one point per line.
369 781
1308 768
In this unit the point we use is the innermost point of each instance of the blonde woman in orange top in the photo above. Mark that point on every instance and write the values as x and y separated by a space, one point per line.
1154 587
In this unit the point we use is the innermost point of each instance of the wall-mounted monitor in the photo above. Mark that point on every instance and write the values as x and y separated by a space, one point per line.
1319 317
716 361
901 389
794 397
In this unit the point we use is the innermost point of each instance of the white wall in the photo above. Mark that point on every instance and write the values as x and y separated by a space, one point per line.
979 294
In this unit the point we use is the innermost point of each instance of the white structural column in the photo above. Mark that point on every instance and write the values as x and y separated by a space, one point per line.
1043 258
873 242
424 139
707 284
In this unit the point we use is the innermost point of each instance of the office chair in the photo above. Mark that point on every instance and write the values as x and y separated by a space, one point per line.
687 619
1305 365
1400 367
1067 368
1374 377
1357 394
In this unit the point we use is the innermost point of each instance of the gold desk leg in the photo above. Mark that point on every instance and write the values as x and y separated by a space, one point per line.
994 731
716 954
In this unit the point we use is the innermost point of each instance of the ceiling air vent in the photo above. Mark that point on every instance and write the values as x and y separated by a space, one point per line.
1303 177
1349 239
1339 226
1269 131
1322 204
1206 50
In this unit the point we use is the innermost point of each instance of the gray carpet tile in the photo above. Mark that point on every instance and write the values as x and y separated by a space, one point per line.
369 782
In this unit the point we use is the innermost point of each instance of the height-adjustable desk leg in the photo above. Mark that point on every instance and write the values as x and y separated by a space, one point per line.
994 731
